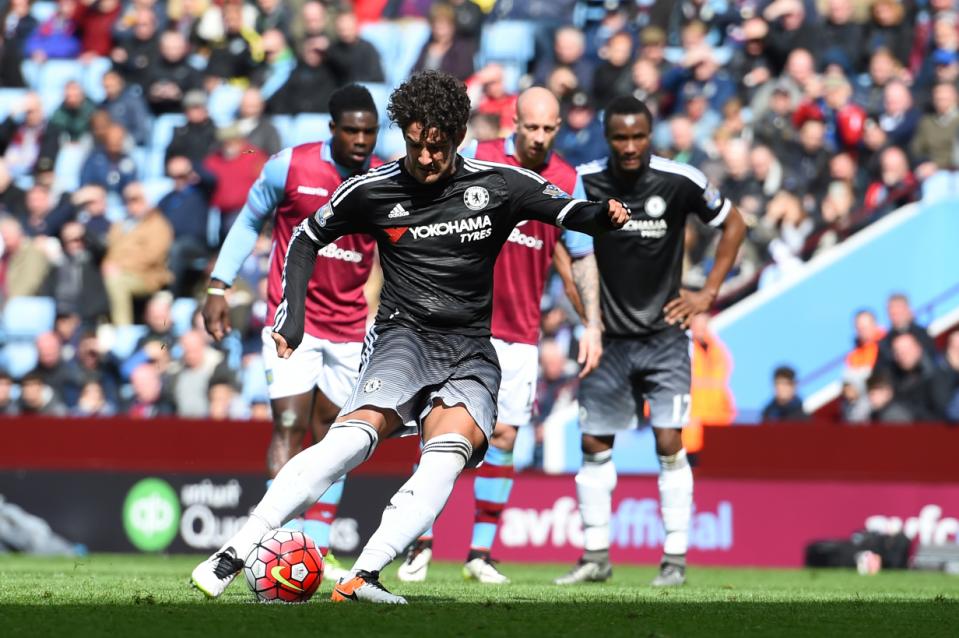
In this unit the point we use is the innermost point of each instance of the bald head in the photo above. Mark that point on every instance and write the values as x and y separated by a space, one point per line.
537 122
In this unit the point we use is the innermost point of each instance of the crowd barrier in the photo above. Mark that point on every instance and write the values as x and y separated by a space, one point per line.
762 493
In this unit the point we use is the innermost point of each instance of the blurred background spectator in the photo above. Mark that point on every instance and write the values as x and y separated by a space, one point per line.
785 405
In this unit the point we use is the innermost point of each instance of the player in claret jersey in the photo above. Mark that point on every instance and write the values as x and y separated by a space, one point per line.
518 281
307 390
440 221
645 316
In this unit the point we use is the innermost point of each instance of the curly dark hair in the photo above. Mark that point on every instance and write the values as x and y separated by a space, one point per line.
434 100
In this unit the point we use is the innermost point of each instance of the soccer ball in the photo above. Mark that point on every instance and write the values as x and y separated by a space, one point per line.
285 566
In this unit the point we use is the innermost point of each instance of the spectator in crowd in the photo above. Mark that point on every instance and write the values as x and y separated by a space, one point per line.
125 26
8 407
148 401
862 359
89 365
71 121
38 398
843 169
158 318
711 400
110 166
684 148
842 36
223 401
836 217
469 21
12 198
171 78
883 69
774 127
914 378
136 256
312 23
190 377
272 14
126 107
24 139
184 18
488 94
55 37
810 160
311 83
194 139
93 402
844 119
77 284
789 30
187 207
749 62
232 57
235 165
700 75
356 59
947 379
785 404
934 145
739 182
569 48
51 367
614 74
800 75
95 20
136 55
38 221
888 28
445 51
16 25
899 118
884 407
645 83
562 83
896 186
23 264
254 126
88 206
278 63
785 222
902 321
768 171
580 138
854 399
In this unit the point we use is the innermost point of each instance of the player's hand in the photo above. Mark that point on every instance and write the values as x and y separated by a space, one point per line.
681 309
618 212
216 316
282 349
590 350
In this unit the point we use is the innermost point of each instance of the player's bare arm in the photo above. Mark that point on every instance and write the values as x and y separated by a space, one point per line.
586 278
689 303
562 262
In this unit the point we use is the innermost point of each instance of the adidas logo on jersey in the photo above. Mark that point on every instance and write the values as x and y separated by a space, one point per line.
398 211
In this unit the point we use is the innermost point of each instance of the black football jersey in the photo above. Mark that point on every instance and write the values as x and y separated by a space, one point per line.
437 243
641 264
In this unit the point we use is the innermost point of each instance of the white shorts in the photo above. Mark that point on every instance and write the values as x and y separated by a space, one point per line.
517 390
317 363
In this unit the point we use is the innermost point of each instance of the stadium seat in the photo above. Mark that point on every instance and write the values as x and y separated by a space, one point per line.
163 130
26 317
224 103
53 76
414 34
381 97
9 100
383 35
93 74
253 379
156 187
310 127
18 358
508 41
68 165
182 314
390 143
284 126
123 339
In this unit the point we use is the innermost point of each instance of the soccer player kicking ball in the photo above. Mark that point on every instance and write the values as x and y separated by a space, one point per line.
518 281
308 389
645 343
439 221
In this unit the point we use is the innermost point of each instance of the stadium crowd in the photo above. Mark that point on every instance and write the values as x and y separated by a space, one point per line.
119 179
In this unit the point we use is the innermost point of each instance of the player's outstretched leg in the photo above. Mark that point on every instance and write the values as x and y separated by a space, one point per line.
491 488
595 483
297 486
451 435
676 502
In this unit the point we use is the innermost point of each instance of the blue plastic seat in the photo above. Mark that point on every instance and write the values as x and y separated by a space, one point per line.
224 103
508 41
26 317
163 126
54 75
284 126
9 100
68 165
155 188
310 127
413 36
93 74
43 10
182 314
381 97
125 340
390 143
18 358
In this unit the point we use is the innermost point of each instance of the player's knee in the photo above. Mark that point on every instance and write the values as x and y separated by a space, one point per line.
669 441
596 444
504 437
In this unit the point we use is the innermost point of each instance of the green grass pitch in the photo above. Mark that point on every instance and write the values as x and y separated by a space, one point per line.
125 596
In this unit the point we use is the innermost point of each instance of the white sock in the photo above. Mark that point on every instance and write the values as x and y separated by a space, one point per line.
676 501
305 478
595 483
416 505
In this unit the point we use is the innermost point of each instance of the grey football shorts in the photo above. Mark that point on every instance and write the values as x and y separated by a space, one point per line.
655 369
406 370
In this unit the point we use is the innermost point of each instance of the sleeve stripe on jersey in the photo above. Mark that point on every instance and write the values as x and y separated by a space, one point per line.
595 166
309 233
691 172
567 208
484 165
723 213
387 170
